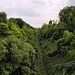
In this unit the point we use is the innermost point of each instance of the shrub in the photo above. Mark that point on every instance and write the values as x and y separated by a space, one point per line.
71 54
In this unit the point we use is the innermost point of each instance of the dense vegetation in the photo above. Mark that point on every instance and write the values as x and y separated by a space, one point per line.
58 43
17 51
25 50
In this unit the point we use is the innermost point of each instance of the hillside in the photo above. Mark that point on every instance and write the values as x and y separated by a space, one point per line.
57 42
18 54
49 50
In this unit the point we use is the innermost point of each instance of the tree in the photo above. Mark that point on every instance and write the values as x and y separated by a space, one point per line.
3 17
50 22
67 16
20 22
4 29
3 49
13 20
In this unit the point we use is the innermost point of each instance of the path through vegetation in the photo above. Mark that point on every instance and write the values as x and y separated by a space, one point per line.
41 67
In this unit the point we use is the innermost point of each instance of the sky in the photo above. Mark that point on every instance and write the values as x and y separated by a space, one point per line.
34 12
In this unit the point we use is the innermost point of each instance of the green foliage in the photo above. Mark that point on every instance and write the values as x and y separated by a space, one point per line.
74 32
3 17
3 49
20 22
29 33
19 46
71 55
13 20
4 29
15 30
58 42
17 53
67 34
44 25
47 31
67 15
73 73
65 42
55 36
72 46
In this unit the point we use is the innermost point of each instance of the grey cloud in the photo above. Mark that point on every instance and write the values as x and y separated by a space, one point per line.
22 12
29 13
18 8
72 2
34 12
38 2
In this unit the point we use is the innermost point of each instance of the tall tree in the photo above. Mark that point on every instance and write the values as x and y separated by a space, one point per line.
67 16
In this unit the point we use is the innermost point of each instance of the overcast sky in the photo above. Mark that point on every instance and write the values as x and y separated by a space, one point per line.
34 12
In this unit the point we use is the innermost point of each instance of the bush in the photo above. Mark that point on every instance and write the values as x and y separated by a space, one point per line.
4 29
71 55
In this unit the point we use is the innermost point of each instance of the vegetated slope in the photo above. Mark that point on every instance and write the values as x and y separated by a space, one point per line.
18 54
23 52
58 43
